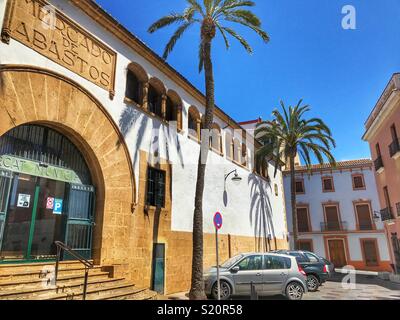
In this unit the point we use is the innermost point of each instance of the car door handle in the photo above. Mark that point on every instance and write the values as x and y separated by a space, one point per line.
283 274
258 274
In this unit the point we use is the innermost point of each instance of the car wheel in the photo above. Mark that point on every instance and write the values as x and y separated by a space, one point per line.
225 290
294 291
312 283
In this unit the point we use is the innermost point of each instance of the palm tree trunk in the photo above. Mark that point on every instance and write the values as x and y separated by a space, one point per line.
293 201
197 286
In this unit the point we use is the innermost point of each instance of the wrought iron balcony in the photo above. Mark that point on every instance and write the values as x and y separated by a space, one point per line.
334 226
379 164
366 225
394 149
386 214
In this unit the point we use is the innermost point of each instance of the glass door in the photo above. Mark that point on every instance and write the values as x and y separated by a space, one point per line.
5 185
48 224
18 220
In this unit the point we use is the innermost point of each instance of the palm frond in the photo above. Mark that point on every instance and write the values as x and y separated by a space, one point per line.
176 36
242 40
166 21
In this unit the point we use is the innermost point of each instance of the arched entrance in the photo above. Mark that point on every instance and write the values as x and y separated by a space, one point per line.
34 96
46 195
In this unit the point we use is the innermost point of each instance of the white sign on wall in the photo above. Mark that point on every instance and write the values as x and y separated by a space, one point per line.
24 200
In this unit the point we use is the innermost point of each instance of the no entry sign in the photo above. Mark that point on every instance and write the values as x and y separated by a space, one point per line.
218 221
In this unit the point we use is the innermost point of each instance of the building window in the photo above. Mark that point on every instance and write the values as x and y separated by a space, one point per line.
193 123
332 218
133 88
236 150
364 216
216 138
303 221
136 79
228 145
155 187
300 187
370 252
276 189
305 245
327 184
154 101
244 155
358 182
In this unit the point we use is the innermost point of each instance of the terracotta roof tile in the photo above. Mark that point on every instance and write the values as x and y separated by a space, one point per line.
339 165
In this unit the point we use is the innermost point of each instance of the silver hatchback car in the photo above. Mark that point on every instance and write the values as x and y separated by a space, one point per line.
269 273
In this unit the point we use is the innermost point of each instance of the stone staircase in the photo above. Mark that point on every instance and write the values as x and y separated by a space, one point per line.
34 282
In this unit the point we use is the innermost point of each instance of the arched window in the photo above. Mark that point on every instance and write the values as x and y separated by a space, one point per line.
236 150
155 96
194 123
135 79
228 145
244 155
216 138
174 108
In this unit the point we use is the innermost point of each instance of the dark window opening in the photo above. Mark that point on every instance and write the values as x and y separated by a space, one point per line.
133 88
358 182
172 110
299 186
154 101
327 184
156 187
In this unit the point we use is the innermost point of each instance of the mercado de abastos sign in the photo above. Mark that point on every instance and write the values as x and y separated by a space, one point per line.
39 26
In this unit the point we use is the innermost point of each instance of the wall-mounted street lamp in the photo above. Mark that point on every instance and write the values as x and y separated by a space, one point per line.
236 178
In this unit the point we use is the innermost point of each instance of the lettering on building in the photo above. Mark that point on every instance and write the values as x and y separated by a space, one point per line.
61 40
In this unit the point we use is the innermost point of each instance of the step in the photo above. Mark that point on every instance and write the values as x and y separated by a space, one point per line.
62 280
92 294
137 294
33 275
38 266
75 287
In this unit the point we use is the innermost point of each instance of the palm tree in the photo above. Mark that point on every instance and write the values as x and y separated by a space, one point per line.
209 15
290 134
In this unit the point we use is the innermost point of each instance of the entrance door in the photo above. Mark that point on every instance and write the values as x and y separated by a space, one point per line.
5 185
370 253
159 267
32 223
337 253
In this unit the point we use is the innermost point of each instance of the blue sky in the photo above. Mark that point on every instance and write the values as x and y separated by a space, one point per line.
339 73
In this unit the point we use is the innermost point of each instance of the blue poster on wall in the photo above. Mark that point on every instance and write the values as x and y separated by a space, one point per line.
58 205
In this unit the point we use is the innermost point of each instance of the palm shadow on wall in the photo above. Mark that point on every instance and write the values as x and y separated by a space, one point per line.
261 215
132 117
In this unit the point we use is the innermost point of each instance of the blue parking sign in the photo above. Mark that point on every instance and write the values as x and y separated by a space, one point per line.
58 204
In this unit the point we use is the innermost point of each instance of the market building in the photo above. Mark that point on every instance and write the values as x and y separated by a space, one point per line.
336 214
99 143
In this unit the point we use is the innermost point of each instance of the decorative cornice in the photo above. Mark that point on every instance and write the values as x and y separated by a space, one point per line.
392 86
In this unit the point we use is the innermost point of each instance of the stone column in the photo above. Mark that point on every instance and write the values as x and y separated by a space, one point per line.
179 118
145 93
164 106
198 120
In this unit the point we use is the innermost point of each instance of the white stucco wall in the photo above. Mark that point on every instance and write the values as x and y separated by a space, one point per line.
246 202
344 194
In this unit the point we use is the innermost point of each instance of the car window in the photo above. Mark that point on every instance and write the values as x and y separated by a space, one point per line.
274 263
250 263
311 257
299 257
229 263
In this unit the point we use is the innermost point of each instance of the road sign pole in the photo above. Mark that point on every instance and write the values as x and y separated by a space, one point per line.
217 252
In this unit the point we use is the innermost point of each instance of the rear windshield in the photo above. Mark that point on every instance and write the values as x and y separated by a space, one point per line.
299 257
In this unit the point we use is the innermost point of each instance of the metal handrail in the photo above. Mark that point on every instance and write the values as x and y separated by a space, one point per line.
88 264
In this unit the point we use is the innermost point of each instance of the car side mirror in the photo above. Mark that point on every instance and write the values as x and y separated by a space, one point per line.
235 269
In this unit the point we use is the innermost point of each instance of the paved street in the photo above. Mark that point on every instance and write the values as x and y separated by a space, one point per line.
367 288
